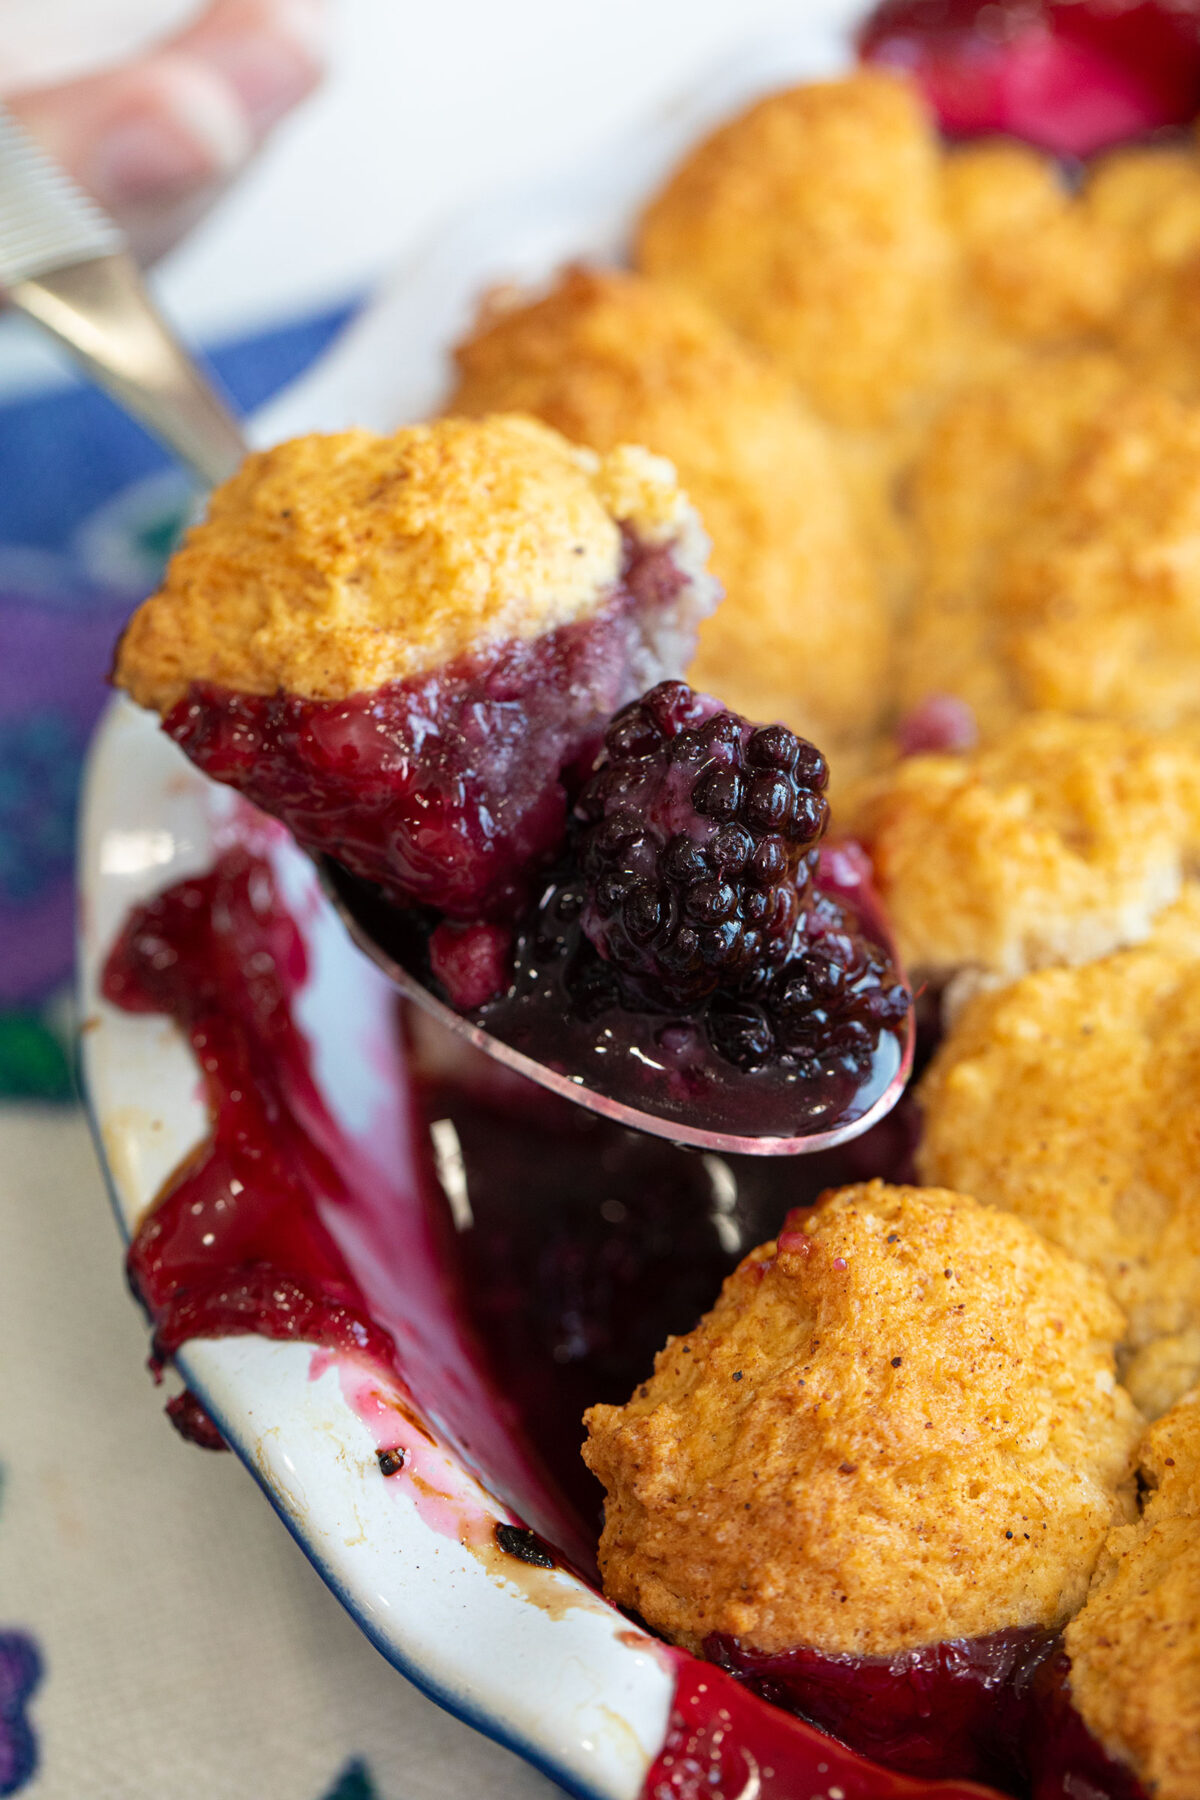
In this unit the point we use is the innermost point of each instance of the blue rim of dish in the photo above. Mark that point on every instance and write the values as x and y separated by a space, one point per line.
452 1700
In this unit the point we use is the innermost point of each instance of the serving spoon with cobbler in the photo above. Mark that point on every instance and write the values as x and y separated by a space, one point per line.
448 660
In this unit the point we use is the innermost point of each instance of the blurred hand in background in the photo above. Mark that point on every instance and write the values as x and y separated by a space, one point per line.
157 138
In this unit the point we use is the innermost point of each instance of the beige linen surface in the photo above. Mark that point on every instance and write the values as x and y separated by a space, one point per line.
190 1651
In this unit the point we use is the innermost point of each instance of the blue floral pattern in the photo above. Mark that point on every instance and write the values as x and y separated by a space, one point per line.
20 1672
39 760
354 1783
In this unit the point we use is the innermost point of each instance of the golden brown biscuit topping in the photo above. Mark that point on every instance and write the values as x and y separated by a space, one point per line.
1058 842
332 565
1135 1647
607 358
1042 269
814 224
898 1425
1071 1099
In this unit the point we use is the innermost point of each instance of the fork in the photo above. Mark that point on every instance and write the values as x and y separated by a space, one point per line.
67 265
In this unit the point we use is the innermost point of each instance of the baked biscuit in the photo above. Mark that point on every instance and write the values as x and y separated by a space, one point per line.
1135 1647
1099 600
1043 268
1162 1370
1047 265
898 1425
1083 596
610 358
332 565
814 224
399 645
1072 1099
998 445
1150 194
1152 197
1058 842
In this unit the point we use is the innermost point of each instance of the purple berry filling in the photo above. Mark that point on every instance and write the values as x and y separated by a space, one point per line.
1066 1760
956 1708
1071 76
942 723
447 790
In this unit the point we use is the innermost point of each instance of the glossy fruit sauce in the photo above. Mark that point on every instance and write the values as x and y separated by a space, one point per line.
551 1281
445 790
563 1006
1071 76
1067 1762
965 1707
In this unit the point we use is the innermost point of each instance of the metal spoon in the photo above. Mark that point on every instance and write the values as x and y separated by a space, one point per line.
378 931
66 265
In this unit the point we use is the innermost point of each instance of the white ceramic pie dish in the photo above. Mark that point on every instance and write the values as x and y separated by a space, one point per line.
533 1658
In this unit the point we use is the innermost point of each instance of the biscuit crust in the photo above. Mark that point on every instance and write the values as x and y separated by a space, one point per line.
814 223
608 357
999 446
1135 1647
1072 1099
1057 542
1058 842
1042 269
898 1425
332 565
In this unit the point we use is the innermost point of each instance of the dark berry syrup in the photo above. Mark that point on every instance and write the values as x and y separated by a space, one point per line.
958 1708
1070 76
1068 1762
724 1743
696 953
445 790
578 1246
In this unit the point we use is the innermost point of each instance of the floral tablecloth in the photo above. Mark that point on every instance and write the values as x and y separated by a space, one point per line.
161 1637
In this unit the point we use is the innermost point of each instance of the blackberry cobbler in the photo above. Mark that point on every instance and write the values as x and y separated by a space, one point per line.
939 403
401 645
894 1446
408 648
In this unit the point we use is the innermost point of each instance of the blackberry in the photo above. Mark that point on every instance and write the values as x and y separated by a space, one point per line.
825 1009
698 844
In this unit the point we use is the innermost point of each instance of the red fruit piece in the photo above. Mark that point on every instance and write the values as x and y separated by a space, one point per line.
942 722
1071 76
472 962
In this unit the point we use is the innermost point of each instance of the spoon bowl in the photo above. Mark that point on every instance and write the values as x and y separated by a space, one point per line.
380 931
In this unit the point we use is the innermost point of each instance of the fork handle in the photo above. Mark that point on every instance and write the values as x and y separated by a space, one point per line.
101 311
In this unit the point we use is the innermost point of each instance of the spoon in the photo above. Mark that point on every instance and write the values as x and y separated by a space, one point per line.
667 1107
66 265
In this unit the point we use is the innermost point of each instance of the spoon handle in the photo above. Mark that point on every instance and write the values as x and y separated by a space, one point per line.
65 264
100 310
